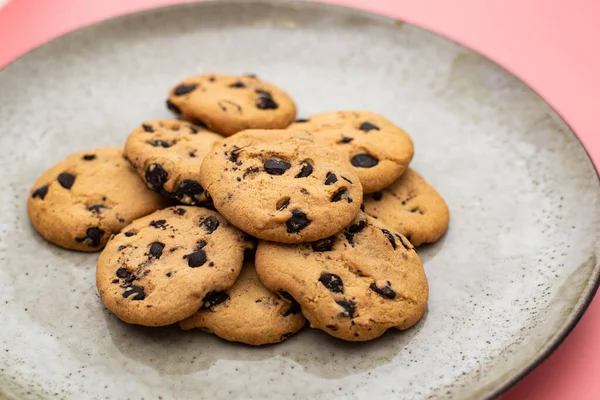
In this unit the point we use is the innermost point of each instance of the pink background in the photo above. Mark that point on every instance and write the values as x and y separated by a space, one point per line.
553 45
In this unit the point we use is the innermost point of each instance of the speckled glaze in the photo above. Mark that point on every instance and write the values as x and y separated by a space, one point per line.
515 271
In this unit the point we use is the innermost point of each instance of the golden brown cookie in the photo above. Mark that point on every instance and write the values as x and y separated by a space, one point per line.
168 154
161 268
379 150
247 312
228 104
81 201
354 285
280 185
411 207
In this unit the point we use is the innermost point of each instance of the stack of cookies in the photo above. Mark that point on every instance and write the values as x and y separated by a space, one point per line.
243 221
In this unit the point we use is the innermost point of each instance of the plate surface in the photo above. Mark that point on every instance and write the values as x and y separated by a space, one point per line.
515 271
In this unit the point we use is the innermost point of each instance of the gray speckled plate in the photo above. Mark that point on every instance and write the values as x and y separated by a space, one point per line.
510 279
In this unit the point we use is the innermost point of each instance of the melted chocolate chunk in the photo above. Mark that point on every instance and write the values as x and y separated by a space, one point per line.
367 126
332 282
147 128
135 292
40 193
390 237
297 221
364 160
237 85
66 180
171 106
179 211
384 291
93 237
377 196
349 238
129 233
330 178
123 273
341 194
156 249
349 307
188 189
282 204
158 223
156 176
213 298
266 103
234 153
196 259
121 247
357 227
275 166
184 89
323 244
96 208
159 143
209 224
346 139
89 157
306 170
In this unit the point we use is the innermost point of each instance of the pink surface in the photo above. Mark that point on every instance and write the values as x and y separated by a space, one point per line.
553 45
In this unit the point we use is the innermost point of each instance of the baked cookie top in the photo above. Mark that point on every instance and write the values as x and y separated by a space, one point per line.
228 104
353 285
160 268
412 207
247 312
168 154
379 150
81 201
280 185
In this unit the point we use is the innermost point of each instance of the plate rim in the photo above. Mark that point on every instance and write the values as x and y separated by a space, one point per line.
587 296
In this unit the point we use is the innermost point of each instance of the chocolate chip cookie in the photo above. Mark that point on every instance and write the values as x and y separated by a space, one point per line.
353 285
379 150
411 207
168 155
247 312
228 104
280 185
81 201
161 268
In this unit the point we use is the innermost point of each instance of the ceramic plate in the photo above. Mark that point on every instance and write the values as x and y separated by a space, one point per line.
516 270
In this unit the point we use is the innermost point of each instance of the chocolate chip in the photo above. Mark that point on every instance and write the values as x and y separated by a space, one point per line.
341 194
156 176
402 242
263 92
346 179
234 153
179 211
282 204
123 273
187 190
201 244
346 139
349 307
66 180
364 160
367 126
159 223
275 166
192 154
89 157
390 237
115 281
332 327
297 221
330 178
40 193
121 247
385 291
237 85
121 220
332 282
147 128
350 238
168 274
159 143
377 196
129 233
357 227
156 249
323 244
173 107
209 224
196 258
136 291
266 103
184 89
213 298
93 237
96 209
306 170
301 120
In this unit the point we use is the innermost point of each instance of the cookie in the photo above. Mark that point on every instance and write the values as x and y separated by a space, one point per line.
228 104
354 285
168 155
411 207
78 203
247 312
279 185
161 268
379 150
